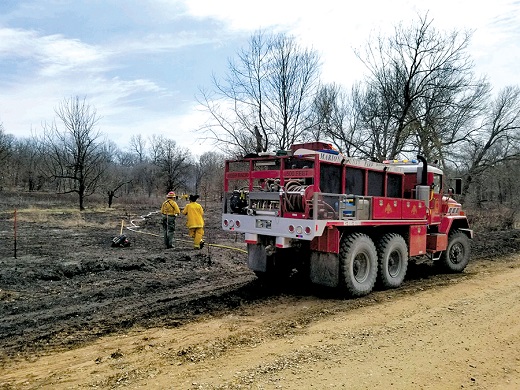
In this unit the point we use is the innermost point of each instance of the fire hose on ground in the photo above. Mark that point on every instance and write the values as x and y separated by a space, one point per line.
136 229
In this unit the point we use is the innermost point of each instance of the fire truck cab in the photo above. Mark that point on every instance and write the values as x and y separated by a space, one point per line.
342 222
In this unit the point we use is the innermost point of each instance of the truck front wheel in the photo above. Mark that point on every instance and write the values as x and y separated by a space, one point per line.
456 256
358 264
393 260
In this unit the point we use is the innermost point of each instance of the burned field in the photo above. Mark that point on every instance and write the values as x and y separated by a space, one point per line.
68 285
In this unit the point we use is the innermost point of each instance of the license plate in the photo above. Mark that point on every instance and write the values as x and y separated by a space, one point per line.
263 224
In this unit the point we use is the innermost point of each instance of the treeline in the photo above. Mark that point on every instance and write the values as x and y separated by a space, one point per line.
72 156
419 95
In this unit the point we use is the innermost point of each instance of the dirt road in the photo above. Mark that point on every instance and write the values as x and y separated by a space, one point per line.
449 332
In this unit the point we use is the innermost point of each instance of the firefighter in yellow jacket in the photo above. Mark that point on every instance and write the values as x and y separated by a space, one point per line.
169 210
195 221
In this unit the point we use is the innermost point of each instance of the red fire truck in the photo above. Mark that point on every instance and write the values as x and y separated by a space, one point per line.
343 222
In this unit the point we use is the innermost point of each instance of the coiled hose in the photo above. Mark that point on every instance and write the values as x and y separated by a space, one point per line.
294 196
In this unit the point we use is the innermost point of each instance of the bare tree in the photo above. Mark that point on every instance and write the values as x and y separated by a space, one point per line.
291 89
210 175
138 147
25 161
6 149
440 127
112 189
324 110
117 172
497 140
6 141
263 101
73 153
173 163
334 117
419 88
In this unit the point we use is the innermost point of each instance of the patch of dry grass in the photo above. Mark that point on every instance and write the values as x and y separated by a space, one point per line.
493 219
66 217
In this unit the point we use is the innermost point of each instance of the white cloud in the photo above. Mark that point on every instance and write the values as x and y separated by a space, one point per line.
53 53
114 74
247 16
115 100
59 55
157 43
178 127
334 27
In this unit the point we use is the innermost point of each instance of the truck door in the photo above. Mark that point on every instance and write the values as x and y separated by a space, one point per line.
436 198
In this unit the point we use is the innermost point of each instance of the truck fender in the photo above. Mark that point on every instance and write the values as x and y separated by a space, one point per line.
450 223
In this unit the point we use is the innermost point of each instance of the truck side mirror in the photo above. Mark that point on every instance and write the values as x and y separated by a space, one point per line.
458 186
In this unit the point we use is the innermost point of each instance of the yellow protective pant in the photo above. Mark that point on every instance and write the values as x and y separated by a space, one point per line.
197 234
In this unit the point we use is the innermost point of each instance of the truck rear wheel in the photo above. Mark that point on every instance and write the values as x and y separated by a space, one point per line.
393 260
358 264
456 256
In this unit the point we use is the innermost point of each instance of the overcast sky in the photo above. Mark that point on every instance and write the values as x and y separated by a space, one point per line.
141 63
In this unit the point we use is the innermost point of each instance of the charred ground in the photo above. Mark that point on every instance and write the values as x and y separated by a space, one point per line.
68 286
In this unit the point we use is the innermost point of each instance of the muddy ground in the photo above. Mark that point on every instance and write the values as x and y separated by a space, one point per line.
68 285
68 288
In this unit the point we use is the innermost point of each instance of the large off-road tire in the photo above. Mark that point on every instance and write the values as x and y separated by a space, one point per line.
456 256
393 260
358 264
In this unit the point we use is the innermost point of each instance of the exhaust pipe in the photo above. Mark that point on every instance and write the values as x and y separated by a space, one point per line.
424 176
